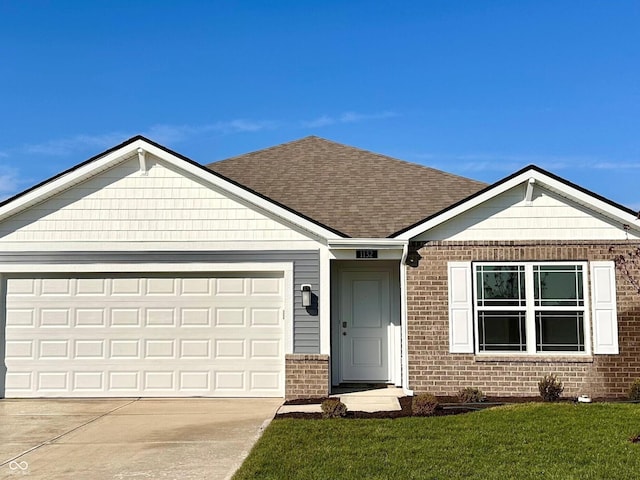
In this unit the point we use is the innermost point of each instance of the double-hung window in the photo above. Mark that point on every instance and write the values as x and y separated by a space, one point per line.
529 307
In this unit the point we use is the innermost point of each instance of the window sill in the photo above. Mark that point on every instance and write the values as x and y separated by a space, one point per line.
535 358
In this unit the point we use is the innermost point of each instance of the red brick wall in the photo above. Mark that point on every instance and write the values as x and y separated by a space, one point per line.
433 369
307 376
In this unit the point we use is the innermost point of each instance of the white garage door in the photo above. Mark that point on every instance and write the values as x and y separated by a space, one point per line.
151 335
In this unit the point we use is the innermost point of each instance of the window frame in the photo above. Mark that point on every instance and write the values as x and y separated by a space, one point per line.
531 308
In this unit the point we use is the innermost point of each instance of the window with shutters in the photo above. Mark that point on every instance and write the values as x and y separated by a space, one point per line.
529 307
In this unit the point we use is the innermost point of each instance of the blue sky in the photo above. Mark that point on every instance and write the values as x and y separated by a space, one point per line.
477 88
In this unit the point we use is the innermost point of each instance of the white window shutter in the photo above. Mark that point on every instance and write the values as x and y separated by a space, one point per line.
604 312
460 308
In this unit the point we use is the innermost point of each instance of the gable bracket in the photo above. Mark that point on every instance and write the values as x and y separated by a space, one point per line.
143 161
528 196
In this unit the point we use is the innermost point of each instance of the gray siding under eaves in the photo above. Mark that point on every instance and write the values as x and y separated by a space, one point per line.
306 269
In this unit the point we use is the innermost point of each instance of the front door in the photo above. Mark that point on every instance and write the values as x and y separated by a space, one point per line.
365 314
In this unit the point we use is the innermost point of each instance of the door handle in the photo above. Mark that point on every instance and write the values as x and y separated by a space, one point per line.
344 324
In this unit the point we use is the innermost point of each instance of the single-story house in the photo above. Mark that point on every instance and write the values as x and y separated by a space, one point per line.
311 264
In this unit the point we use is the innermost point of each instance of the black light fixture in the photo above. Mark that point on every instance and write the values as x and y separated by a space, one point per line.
306 294
413 258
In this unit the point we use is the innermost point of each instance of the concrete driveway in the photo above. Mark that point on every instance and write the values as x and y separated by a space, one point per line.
129 438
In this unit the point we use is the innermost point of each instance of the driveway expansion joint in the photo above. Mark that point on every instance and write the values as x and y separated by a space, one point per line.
58 437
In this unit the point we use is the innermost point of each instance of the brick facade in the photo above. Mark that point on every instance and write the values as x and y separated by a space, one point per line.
433 369
306 376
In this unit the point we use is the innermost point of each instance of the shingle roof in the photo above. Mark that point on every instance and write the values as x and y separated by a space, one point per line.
357 192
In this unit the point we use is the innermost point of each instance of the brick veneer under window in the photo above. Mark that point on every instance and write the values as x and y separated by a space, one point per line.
433 369
307 376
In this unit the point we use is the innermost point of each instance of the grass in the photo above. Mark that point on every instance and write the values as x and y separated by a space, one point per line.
525 441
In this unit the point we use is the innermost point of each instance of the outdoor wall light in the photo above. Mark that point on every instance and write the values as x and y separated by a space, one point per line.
306 294
413 258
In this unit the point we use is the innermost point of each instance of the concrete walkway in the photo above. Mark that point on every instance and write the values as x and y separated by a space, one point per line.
375 400
111 439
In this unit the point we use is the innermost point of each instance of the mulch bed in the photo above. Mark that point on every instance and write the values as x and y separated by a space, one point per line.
448 406
405 405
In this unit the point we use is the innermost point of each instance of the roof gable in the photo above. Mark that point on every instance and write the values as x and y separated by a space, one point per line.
167 208
527 181
137 148
360 193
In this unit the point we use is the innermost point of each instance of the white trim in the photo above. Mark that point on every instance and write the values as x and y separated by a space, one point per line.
145 267
530 309
366 243
348 254
550 183
287 269
325 302
388 248
107 161
404 330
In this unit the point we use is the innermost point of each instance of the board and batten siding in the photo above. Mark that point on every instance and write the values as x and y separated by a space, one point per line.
121 209
306 269
509 216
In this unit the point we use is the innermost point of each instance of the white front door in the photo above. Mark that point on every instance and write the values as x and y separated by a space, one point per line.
365 314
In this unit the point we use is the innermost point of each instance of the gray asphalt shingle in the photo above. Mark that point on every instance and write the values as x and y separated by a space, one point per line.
357 192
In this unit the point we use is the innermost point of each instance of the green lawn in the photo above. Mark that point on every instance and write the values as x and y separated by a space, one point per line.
526 441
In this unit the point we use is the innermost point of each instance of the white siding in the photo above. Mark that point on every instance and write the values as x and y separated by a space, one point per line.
120 208
509 217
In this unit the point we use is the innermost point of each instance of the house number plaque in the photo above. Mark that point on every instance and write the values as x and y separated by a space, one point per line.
366 254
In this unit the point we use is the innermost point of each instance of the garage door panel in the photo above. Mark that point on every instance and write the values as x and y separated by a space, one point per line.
196 287
89 349
124 317
195 349
53 381
230 286
19 382
124 349
91 286
20 349
21 287
124 381
88 381
90 317
158 335
195 380
54 317
195 317
20 317
126 286
55 286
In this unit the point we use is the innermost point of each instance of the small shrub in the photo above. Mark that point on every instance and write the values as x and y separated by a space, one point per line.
550 388
634 390
470 395
424 405
333 408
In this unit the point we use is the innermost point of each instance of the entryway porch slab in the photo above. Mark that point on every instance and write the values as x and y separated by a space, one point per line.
370 401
